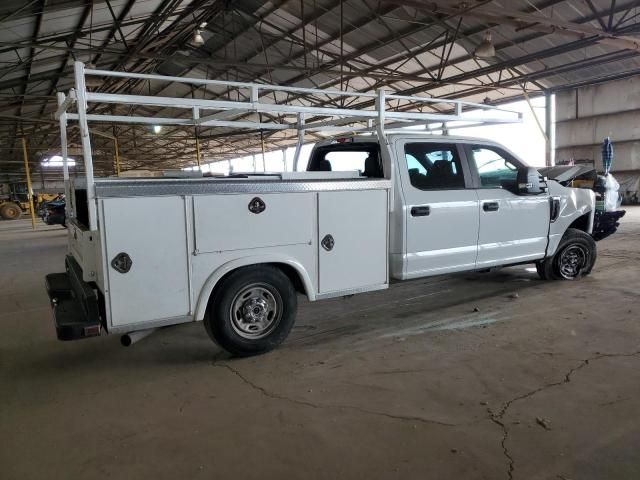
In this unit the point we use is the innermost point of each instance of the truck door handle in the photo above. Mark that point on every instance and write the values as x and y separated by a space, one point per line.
420 211
490 206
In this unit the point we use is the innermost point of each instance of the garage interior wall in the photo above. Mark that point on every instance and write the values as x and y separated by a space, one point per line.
586 115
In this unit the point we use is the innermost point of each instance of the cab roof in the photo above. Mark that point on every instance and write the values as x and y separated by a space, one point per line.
392 135
373 138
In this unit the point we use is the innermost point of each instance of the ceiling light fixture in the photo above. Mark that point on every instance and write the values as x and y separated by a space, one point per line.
198 39
486 48
157 129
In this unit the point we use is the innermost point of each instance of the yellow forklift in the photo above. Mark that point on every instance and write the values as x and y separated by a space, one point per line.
16 202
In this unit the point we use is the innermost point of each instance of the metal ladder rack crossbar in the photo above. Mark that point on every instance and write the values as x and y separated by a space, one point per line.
377 117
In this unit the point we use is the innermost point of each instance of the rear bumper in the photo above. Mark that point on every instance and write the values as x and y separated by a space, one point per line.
76 311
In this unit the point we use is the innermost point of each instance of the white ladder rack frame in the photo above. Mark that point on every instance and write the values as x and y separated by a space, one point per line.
339 119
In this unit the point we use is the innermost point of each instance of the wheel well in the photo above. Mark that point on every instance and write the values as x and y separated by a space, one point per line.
288 270
581 223
293 275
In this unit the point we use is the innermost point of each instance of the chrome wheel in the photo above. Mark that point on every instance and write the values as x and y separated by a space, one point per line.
572 260
256 311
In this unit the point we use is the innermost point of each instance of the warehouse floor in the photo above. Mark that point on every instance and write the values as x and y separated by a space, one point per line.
542 382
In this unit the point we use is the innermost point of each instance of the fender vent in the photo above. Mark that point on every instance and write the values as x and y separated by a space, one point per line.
554 203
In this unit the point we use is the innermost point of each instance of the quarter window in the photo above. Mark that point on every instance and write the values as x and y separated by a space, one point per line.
434 166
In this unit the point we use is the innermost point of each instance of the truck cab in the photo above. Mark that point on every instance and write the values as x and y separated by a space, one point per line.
460 203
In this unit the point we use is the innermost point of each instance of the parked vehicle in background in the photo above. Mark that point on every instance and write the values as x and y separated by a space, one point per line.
53 211
235 252
15 203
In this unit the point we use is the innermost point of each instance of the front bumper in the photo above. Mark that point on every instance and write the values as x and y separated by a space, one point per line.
75 305
606 223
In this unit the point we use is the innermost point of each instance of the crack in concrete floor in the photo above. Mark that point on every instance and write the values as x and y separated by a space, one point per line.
277 396
497 417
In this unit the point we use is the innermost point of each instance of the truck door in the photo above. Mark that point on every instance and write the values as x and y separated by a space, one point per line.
513 228
441 208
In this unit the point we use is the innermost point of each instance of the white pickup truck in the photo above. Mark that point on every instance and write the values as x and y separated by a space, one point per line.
235 252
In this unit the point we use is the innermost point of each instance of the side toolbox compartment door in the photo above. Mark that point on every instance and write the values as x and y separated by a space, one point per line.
152 233
224 222
352 240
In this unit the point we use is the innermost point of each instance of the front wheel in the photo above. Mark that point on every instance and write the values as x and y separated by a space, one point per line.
252 310
10 211
574 257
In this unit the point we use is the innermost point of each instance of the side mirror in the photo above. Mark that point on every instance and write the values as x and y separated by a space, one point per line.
530 182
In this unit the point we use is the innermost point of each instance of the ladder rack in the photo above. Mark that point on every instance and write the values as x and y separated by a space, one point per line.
373 114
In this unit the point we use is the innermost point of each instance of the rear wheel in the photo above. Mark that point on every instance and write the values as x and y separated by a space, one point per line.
252 310
10 211
574 257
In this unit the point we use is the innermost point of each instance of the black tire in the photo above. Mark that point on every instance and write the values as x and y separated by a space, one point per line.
10 211
543 269
574 258
252 310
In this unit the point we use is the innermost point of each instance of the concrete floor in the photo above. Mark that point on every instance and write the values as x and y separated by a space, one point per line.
409 383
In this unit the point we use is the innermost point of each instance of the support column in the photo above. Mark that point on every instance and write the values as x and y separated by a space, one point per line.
65 157
81 93
300 143
29 189
548 146
117 154
198 151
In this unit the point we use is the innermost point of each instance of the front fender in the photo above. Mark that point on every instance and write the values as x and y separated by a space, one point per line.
214 278
574 203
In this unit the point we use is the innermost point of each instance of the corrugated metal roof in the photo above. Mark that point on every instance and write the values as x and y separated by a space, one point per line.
423 48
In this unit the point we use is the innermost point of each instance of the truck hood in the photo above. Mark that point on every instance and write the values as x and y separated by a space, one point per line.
565 173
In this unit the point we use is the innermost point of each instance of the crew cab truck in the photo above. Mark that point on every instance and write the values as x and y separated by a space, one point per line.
235 252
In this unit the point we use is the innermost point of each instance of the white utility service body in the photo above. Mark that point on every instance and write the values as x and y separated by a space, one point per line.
152 252
184 235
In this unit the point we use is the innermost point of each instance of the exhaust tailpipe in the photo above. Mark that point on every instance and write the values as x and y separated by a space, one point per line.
130 338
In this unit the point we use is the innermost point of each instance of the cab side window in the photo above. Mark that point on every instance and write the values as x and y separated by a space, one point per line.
434 166
414 166
495 168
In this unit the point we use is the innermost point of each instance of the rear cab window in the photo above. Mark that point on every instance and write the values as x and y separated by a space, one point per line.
358 156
